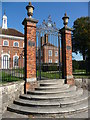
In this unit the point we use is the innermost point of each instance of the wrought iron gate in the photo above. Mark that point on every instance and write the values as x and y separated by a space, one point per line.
48 51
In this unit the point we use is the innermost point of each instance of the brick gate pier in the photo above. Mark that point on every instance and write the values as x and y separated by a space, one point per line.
30 50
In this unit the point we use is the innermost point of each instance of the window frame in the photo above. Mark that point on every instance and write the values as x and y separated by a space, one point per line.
23 45
50 55
7 42
56 52
14 59
56 60
4 21
14 43
8 61
50 60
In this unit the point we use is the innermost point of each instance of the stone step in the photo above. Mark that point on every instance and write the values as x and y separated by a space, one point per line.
83 114
59 103
65 86
62 81
11 115
53 82
78 92
40 92
49 84
48 110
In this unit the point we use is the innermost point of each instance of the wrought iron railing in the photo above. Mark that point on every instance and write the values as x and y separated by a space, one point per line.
11 70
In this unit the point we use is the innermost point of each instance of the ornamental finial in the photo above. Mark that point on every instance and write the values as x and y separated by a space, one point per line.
30 9
65 14
4 12
65 19
30 3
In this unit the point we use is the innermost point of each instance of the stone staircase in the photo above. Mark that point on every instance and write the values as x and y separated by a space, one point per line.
52 98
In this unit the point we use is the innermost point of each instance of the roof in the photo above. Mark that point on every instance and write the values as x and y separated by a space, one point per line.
49 44
12 32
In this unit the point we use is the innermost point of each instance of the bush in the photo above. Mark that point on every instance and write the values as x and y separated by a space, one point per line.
88 64
50 67
80 65
75 65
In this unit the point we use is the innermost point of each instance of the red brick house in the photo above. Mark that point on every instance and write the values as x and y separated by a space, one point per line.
49 52
11 46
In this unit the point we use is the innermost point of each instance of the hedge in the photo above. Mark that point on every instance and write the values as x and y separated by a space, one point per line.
49 67
80 65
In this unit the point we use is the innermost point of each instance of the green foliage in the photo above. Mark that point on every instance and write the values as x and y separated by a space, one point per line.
79 65
50 67
80 38
75 65
88 64
7 78
51 75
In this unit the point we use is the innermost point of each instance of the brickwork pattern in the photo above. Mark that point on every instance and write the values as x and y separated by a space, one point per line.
31 50
12 51
67 56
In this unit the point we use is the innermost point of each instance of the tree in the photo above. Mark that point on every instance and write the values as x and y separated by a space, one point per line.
80 37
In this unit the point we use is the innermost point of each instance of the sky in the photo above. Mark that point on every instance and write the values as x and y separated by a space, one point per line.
16 12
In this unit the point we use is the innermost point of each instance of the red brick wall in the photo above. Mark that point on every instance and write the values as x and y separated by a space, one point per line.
67 56
30 50
46 54
46 48
30 53
11 50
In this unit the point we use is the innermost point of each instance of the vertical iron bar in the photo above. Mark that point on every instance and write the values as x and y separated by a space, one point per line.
59 52
51 42
55 43
12 67
19 69
40 53
36 56
7 68
3 68
15 70
21 66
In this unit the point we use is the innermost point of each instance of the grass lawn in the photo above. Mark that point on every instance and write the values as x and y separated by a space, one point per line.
20 70
81 76
7 77
79 71
77 74
49 75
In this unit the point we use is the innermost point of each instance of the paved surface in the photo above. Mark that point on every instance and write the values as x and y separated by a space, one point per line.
8 114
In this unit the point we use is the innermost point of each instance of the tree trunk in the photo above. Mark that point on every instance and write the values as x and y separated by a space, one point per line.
84 55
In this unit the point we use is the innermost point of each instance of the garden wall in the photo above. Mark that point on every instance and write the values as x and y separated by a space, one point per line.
9 92
83 83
